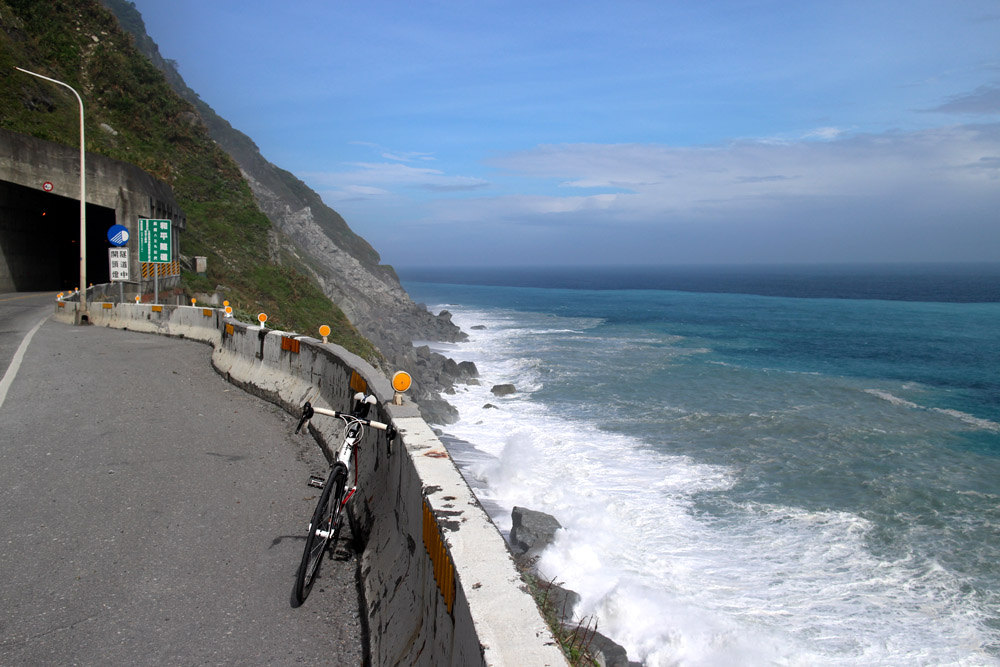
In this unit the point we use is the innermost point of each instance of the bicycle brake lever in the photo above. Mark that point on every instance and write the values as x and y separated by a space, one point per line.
307 413
390 435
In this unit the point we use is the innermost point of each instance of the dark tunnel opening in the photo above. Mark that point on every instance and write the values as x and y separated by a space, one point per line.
40 239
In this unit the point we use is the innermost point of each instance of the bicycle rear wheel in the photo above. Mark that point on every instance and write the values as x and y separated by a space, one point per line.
324 531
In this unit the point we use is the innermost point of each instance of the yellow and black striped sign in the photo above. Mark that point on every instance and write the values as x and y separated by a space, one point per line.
444 567
290 344
161 269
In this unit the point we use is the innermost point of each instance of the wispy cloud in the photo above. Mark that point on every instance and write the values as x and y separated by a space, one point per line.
984 100
919 196
408 157
734 180
386 179
825 133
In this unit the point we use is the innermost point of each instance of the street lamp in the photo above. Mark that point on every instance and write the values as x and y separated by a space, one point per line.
83 198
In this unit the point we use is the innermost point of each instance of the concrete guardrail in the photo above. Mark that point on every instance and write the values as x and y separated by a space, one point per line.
439 584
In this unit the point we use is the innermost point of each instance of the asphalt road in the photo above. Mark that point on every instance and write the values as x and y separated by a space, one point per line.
151 513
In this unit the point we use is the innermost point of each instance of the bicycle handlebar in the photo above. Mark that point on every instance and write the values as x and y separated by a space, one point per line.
308 411
347 415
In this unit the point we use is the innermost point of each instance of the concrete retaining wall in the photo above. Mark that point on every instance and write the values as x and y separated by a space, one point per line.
440 585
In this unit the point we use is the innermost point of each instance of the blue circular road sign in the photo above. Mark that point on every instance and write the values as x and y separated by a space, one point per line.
118 235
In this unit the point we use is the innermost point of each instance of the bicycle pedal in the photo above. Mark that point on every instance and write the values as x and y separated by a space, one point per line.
318 482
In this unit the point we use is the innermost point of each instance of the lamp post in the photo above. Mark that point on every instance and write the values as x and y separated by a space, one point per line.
83 197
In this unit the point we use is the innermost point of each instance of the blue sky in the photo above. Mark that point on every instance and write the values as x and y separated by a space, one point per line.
489 133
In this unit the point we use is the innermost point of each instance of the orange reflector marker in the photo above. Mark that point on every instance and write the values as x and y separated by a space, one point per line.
401 381
262 317
324 331
225 303
229 310
192 301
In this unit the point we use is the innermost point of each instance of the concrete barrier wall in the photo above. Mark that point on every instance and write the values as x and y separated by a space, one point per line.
440 585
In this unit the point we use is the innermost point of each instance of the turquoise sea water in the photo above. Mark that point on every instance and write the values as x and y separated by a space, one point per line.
747 478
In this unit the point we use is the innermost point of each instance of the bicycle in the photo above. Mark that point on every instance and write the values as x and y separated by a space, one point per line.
325 525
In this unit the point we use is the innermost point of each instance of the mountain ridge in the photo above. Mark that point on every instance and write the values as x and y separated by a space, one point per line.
270 239
346 266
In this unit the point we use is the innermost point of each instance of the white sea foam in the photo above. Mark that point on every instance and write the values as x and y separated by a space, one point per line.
675 583
967 419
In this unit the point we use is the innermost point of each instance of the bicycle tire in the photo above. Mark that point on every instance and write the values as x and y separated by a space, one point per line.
328 518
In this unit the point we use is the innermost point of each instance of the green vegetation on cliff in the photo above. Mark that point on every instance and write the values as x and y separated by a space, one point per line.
132 114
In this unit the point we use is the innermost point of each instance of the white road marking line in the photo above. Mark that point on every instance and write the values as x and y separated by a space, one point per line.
15 363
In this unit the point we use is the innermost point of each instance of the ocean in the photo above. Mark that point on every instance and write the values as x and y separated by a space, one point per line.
765 465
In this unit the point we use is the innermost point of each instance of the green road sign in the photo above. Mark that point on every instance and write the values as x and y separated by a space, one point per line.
154 241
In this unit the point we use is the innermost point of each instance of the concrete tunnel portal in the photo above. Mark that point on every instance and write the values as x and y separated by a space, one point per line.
40 239
40 216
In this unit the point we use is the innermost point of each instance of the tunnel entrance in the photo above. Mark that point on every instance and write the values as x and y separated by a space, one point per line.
40 239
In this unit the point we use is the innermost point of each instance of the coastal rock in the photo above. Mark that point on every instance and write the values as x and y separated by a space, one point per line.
467 369
561 601
604 650
479 327
532 531
503 389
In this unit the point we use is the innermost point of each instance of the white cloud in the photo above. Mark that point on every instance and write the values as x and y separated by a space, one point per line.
407 157
929 195
383 179
824 133
735 180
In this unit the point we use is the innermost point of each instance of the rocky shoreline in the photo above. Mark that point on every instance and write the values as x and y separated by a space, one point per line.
531 533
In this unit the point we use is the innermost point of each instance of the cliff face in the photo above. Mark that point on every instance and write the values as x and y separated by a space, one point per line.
345 265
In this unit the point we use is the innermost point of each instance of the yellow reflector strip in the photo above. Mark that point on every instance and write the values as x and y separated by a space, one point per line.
107 306
61 304
358 383
290 344
157 309
229 329
444 567
207 312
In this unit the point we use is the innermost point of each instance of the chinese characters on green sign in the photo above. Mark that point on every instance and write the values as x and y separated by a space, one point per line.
154 241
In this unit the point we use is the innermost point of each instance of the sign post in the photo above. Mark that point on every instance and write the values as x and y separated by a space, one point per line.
118 264
155 246
118 257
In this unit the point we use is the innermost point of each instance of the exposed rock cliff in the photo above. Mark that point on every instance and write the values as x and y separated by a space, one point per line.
345 264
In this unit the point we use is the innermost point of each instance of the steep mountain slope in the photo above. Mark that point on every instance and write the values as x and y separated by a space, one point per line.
133 115
343 263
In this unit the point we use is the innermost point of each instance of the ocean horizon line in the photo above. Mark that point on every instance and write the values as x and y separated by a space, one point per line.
935 282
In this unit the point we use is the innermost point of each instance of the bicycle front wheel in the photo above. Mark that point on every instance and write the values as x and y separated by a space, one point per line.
324 531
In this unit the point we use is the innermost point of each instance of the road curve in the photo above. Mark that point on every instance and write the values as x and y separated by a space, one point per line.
152 513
